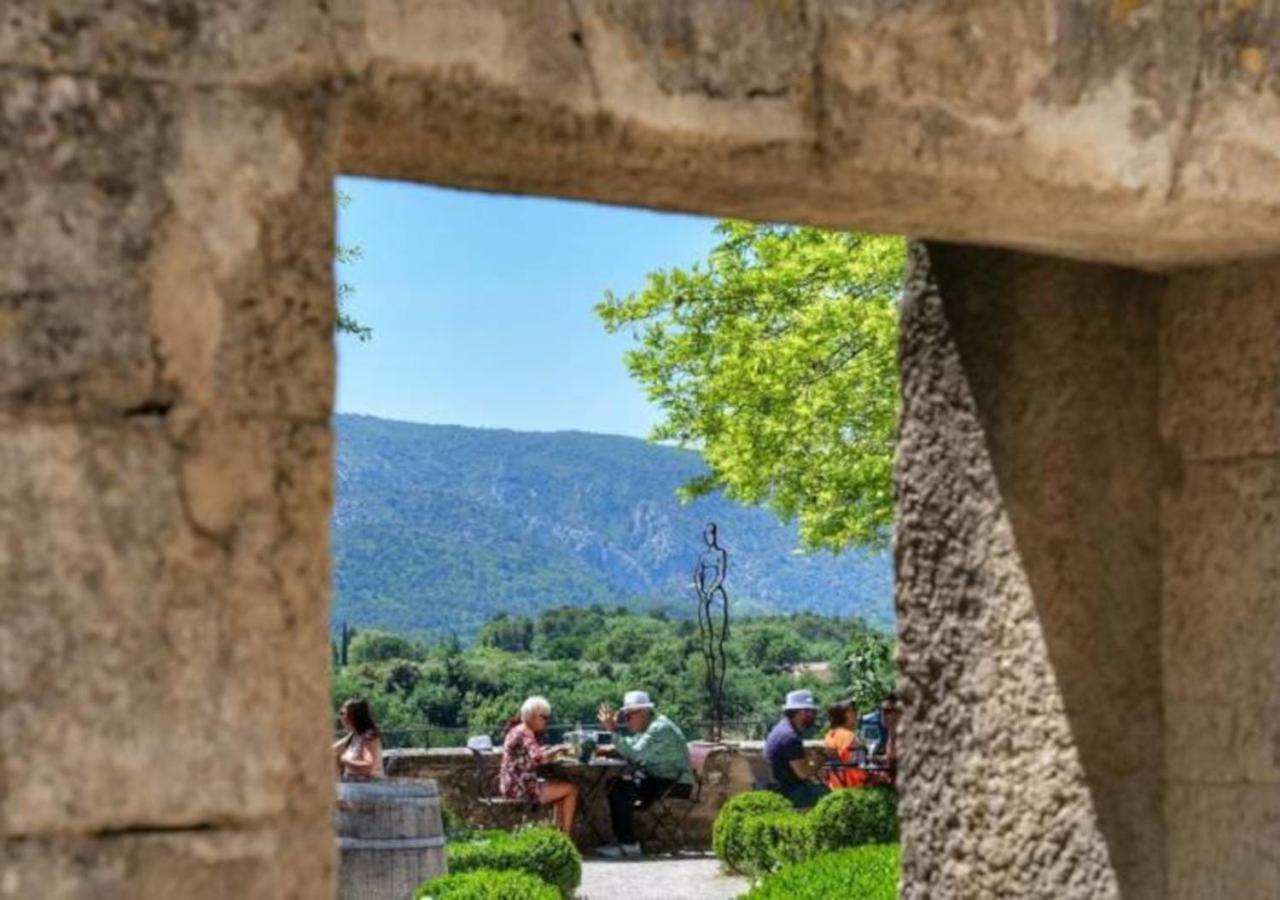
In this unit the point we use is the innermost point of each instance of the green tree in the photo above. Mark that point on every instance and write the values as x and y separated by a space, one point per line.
379 646
511 633
866 666
777 359
345 255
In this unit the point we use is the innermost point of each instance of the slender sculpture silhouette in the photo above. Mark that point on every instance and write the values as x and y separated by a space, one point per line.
713 622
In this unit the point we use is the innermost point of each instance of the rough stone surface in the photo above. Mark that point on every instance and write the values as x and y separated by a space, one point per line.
1221 372
1222 841
280 864
1220 512
1130 132
453 770
166 367
1028 591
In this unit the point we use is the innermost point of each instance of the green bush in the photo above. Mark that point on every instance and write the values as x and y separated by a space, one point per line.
486 884
725 833
540 851
771 841
853 817
869 872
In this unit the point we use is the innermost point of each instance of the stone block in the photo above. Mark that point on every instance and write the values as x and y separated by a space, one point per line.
1028 578
1220 384
202 41
165 245
284 863
163 634
1222 620
1224 841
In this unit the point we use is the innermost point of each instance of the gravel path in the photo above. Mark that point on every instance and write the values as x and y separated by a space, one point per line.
658 878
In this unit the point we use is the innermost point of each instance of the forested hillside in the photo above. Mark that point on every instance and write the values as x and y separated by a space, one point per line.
435 528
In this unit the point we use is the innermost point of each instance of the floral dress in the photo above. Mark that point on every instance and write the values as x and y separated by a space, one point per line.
521 757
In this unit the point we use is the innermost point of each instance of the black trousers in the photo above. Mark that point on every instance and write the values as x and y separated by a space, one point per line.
625 795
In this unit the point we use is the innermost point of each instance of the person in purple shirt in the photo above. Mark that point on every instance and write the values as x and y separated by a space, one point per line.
794 776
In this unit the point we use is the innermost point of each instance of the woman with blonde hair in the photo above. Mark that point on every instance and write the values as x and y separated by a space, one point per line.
522 756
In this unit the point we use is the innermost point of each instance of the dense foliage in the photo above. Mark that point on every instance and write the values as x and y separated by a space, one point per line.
437 528
726 831
758 832
487 884
541 851
777 357
853 817
869 872
771 841
578 658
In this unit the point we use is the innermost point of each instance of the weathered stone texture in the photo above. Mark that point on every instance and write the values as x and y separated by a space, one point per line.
1220 392
166 367
1097 129
280 864
1221 506
1028 578
1222 841
194 41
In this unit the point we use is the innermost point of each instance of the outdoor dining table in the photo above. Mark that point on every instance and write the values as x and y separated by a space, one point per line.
594 777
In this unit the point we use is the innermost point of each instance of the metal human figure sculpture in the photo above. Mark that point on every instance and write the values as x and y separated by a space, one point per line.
713 621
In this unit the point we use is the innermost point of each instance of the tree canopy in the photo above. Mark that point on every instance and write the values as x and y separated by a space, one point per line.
776 357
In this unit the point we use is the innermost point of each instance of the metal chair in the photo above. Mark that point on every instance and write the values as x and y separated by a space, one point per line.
667 813
499 811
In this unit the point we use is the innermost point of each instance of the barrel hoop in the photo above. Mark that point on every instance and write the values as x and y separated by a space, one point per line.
422 843
382 802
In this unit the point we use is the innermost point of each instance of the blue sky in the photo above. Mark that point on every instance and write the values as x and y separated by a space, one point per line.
481 306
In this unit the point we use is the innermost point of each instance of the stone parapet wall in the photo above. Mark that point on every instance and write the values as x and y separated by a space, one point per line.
727 772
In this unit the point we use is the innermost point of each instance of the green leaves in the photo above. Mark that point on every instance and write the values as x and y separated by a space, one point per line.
777 359
345 255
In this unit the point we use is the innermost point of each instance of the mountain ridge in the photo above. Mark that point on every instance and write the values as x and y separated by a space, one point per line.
437 527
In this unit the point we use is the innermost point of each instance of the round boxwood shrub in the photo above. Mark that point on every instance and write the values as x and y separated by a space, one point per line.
771 841
540 851
869 872
725 832
487 884
858 816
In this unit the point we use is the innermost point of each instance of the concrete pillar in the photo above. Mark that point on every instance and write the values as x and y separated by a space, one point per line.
166 370
1220 417
1028 570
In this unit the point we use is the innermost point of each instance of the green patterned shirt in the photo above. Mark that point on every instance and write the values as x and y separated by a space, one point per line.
660 750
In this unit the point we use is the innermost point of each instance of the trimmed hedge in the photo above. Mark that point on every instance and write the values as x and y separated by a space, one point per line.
869 872
541 851
773 840
726 839
487 884
853 817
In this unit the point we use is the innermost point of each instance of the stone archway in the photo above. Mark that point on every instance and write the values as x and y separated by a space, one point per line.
1090 456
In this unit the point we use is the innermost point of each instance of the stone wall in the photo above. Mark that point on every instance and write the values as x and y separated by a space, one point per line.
1089 616
1220 516
727 773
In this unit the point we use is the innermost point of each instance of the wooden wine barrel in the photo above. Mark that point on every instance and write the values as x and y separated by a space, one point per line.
390 838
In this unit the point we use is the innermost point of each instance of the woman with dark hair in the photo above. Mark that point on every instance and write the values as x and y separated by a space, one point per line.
358 755
842 743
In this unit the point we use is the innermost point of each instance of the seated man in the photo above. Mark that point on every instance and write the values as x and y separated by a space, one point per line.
660 753
794 776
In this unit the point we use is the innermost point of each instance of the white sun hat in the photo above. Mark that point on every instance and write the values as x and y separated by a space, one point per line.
801 699
636 700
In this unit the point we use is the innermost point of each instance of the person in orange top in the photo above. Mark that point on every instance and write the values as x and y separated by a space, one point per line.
842 743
